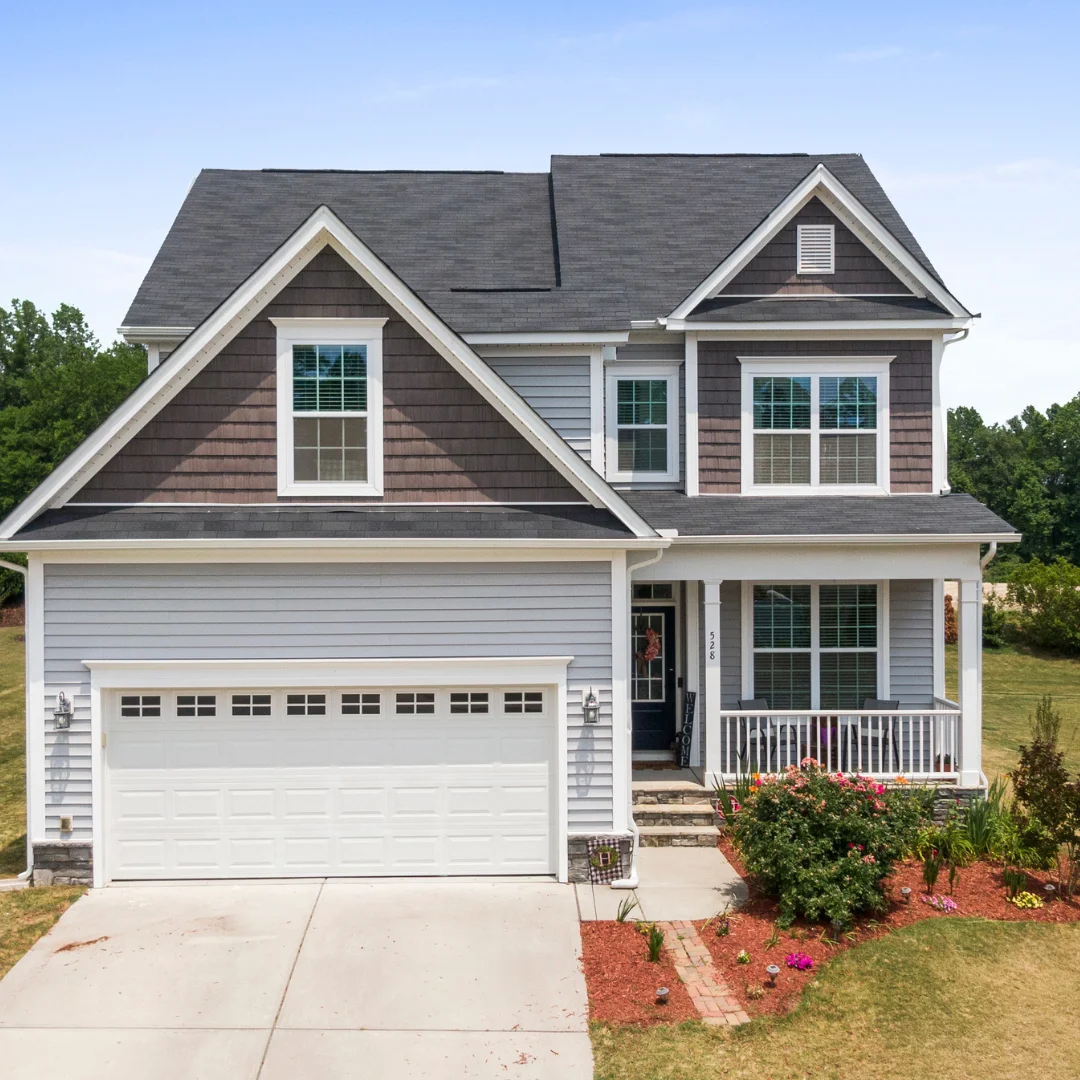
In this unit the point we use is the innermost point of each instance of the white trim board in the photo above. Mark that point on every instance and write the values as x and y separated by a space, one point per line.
887 327
822 184
322 229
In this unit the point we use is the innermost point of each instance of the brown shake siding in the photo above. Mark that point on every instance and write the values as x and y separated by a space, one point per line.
772 270
216 440
720 406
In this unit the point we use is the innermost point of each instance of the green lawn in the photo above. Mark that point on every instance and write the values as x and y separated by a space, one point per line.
957 998
1014 679
12 749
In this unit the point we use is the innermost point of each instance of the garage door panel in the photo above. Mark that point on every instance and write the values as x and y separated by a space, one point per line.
330 795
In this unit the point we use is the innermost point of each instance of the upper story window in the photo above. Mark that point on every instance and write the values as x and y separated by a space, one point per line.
329 406
815 249
814 425
642 422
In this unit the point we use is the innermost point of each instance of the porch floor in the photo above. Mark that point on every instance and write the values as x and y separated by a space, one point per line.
666 776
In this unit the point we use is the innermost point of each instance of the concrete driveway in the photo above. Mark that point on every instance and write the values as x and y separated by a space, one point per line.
288 980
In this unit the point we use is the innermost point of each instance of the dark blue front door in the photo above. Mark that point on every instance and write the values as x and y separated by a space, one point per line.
652 677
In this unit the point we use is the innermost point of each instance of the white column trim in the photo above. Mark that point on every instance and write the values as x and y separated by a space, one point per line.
713 684
562 781
884 638
621 762
97 782
939 636
693 668
690 435
35 697
596 411
939 420
969 617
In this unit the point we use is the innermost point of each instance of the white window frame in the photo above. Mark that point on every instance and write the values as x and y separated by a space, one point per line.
815 367
638 370
814 271
366 332
884 689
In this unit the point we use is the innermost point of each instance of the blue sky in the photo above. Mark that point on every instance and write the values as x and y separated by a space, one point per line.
967 113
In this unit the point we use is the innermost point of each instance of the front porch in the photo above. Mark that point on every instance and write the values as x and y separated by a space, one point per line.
754 675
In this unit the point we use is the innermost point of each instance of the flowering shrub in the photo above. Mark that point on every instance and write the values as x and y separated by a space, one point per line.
1026 900
822 843
942 903
800 961
743 957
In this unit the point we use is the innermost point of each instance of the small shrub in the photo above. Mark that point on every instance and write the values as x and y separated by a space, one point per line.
1027 900
1015 881
756 992
952 629
823 843
774 938
931 868
743 957
654 941
995 623
628 904
1048 596
723 926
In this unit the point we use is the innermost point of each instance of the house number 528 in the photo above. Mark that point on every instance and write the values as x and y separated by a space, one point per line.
712 644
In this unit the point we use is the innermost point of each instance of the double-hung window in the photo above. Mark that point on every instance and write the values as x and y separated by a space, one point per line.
814 646
815 426
642 422
329 406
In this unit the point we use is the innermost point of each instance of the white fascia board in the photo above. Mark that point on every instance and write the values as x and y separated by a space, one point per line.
321 229
437 671
856 538
136 335
545 338
930 326
822 183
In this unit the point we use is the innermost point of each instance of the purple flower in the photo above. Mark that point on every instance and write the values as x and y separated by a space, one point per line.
800 961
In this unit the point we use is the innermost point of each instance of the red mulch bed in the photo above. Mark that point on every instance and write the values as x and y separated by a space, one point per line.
979 891
622 983
12 615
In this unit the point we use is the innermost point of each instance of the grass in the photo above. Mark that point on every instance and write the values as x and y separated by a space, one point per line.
1014 678
12 753
26 915
963 998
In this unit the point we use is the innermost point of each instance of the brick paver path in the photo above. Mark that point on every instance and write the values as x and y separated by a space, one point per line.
710 994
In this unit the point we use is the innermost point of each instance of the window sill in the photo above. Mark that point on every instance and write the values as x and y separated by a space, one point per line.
642 478
821 489
331 489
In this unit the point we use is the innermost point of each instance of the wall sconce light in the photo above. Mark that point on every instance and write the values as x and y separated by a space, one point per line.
590 705
63 711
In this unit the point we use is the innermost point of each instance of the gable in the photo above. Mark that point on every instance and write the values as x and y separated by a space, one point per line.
215 441
858 271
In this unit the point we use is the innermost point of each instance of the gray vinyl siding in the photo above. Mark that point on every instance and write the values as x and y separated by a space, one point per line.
234 612
557 387
911 641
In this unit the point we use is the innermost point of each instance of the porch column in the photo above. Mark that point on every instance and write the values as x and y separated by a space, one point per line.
969 628
713 732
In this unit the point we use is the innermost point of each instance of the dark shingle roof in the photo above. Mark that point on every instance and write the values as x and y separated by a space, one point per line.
818 515
322 522
754 309
614 237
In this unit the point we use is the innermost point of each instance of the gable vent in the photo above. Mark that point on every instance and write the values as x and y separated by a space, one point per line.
816 249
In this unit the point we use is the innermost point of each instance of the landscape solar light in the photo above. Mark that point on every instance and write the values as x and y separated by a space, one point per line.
772 971
905 892
662 995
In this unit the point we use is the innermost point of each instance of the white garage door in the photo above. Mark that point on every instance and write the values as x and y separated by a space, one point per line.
260 783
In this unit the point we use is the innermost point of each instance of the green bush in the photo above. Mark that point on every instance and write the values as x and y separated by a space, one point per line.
823 843
1048 595
995 623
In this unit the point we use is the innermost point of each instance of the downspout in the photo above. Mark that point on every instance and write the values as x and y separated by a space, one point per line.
26 675
991 551
631 879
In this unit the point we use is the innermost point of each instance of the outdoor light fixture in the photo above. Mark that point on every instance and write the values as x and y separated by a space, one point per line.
905 892
1049 890
590 706
662 995
772 971
62 712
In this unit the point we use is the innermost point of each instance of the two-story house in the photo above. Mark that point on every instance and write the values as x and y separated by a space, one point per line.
450 497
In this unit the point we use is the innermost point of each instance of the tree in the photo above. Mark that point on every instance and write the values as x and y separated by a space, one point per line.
56 385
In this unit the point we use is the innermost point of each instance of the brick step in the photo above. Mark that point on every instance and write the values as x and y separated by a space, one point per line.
699 813
653 792
678 835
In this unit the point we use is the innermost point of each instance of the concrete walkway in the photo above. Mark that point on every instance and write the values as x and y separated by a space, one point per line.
676 883
288 980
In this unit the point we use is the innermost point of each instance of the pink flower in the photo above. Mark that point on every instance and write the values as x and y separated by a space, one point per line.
869 860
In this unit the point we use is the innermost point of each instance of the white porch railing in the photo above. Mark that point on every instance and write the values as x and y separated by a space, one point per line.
920 744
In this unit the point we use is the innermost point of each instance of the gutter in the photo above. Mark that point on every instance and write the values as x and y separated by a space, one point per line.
991 551
631 879
25 875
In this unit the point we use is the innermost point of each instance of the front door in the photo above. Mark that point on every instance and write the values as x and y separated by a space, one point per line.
652 677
